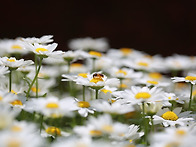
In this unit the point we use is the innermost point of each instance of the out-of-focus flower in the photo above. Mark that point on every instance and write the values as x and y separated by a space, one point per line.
190 78
13 63
43 40
99 44
51 106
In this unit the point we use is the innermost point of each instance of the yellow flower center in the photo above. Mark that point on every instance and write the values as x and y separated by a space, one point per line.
13 143
106 91
16 102
14 92
155 75
108 128
16 47
1 98
126 51
53 131
81 144
54 115
169 115
142 64
148 56
113 100
169 98
84 75
121 72
173 144
181 132
33 89
143 95
76 65
83 104
181 85
96 79
11 60
98 54
123 86
52 105
152 82
95 133
194 93
41 49
16 129
130 145
190 78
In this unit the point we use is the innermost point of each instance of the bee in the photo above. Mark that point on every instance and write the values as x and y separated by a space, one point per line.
98 75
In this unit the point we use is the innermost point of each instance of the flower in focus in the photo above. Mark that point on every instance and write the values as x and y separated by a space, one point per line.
172 118
41 50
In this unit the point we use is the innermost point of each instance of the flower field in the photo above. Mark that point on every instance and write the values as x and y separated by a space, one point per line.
94 96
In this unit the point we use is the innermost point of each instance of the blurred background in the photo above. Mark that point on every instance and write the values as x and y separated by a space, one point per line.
156 27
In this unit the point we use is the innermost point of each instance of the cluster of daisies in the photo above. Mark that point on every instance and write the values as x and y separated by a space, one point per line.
93 95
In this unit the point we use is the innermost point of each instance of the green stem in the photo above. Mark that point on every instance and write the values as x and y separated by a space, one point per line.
10 80
152 123
145 124
96 94
83 92
190 97
68 67
41 122
40 63
36 82
121 82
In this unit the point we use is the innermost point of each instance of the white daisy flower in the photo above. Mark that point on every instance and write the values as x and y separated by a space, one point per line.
114 108
124 73
43 40
172 118
23 127
145 64
172 97
180 137
83 108
97 80
106 93
12 139
51 131
149 82
7 116
190 78
124 53
178 62
51 106
126 132
41 50
7 97
3 70
76 68
74 141
99 44
13 46
13 63
138 94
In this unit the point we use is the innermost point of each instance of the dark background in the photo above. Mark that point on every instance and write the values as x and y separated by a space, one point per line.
154 26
